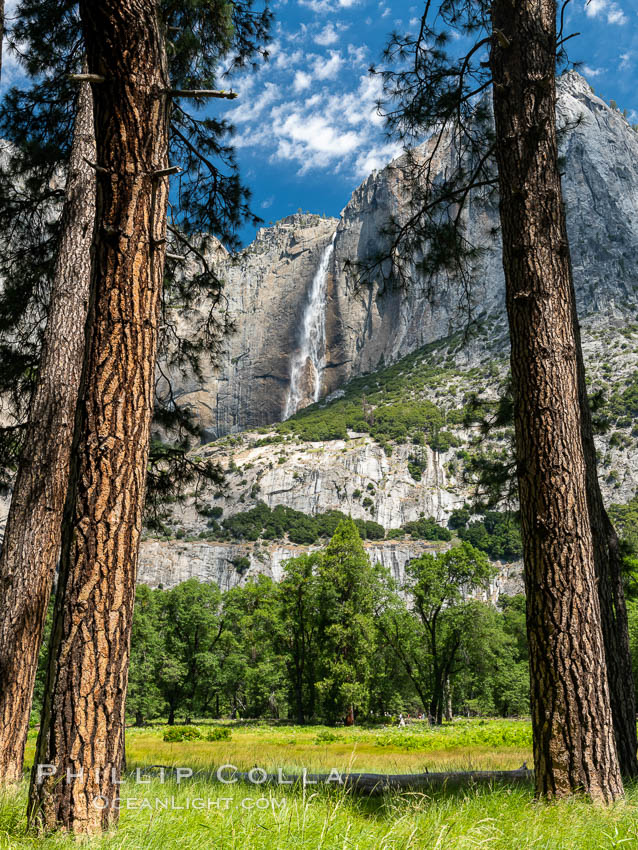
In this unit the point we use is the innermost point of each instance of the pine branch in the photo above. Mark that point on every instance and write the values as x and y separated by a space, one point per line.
221 93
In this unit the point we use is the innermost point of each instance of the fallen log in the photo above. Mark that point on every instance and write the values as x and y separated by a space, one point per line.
379 783
362 783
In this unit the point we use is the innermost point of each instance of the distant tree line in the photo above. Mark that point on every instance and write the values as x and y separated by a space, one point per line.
336 640
496 533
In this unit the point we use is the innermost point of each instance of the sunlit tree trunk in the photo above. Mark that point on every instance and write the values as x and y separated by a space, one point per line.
82 726
574 746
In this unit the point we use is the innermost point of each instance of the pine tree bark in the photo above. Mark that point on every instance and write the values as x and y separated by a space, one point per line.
31 545
611 594
574 748
82 729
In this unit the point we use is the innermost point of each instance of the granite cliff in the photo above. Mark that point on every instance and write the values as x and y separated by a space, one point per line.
269 285
304 331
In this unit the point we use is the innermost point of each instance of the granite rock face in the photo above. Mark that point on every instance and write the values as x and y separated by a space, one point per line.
168 564
268 285
354 476
266 290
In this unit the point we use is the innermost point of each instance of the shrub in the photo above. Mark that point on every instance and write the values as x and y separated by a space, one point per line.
459 518
442 441
219 733
327 737
416 466
427 529
241 564
374 531
497 534
174 734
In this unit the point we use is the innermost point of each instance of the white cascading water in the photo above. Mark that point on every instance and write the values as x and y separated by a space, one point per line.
312 343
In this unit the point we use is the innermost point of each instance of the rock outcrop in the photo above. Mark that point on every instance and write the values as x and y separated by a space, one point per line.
266 288
165 564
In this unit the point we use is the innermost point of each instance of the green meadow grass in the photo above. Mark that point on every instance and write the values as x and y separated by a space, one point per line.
201 813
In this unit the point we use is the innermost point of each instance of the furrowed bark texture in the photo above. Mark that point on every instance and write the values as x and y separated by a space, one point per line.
574 746
611 594
82 728
31 545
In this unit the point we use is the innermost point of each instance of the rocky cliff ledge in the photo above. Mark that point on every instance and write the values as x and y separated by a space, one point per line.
166 564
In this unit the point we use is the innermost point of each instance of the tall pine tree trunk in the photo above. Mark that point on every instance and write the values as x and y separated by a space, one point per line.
613 609
31 543
82 728
574 745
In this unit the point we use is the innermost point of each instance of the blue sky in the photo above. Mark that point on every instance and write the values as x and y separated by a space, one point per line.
307 128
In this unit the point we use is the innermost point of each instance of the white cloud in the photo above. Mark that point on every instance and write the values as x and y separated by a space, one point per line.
314 110
302 81
376 158
605 8
625 61
358 54
592 72
319 135
616 16
327 36
322 6
327 69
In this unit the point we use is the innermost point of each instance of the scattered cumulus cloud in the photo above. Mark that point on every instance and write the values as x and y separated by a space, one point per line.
327 36
376 158
625 61
323 6
302 81
327 69
588 71
319 123
358 53
606 9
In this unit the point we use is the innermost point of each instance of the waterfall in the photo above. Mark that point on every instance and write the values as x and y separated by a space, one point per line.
308 361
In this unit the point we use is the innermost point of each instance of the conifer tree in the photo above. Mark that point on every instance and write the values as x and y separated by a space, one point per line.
346 596
82 726
514 51
31 543
43 260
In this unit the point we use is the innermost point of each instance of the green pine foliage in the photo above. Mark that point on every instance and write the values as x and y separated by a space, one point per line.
281 522
209 201
497 533
347 595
